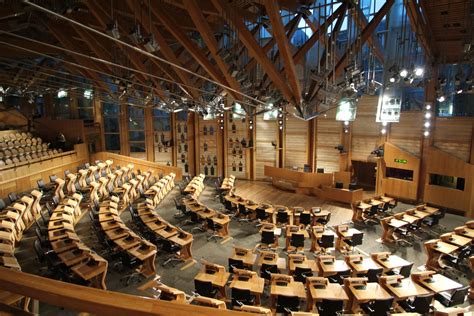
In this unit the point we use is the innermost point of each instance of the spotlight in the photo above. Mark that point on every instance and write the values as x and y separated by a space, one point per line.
427 124
441 98
403 73
428 107
346 123
88 94
113 30
419 72
384 123
383 131
392 79
426 133
151 45
428 115
459 91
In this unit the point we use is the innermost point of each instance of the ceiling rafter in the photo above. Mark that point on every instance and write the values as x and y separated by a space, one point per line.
208 36
254 48
321 30
284 48
168 53
134 57
373 40
423 31
192 47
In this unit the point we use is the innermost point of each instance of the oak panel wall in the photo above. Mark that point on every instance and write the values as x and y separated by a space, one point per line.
453 136
296 153
23 176
365 131
328 136
442 163
408 133
141 164
267 131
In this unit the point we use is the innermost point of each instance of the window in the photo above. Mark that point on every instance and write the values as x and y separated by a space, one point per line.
136 132
447 181
85 108
62 108
111 115
455 97
162 141
397 173
270 115
238 111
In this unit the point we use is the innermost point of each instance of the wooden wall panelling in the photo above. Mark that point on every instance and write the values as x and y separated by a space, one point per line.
23 176
408 133
237 160
184 131
453 135
365 130
400 188
443 163
161 134
141 164
297 138
208 152
266 153
328 136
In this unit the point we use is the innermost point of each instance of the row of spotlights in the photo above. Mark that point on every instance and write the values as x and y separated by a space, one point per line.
427 123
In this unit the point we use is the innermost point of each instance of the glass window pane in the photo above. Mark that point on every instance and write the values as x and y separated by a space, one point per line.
134 124
112 142
136 136
111 109
111 125
137 147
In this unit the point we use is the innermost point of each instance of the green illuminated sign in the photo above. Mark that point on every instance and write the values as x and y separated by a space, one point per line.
403 161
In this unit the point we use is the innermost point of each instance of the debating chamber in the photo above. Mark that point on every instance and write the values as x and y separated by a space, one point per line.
237 157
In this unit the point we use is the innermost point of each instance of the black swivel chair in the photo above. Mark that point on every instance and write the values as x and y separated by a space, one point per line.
242 297
181 208
421 304
266 270
2 205
301 274
378 307
42 237
268 238
214 227
205 288
261 215
131 264
330 307
325 242
229 207
282 217
13 197
244 213
235 264
374 274
173 249
456 298
355 241
297 242
55 268
305 218
287 304
340 276
324 220
404 271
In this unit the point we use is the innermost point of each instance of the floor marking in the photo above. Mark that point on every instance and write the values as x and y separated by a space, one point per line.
226 240
189 264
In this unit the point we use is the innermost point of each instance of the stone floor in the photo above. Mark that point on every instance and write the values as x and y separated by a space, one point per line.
243 234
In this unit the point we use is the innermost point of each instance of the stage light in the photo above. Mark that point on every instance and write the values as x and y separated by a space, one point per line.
346 123
419 72
426 133
459 91
428 107
427 124
403 73
384 123
441 98
428 115
383 131
62 93
392 79
88 93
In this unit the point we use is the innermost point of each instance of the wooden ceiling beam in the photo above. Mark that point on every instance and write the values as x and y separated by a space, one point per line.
192 48
167 53
254 48
284 49
66 43
289 27
423 31
373 41
318 35
363 37
209 39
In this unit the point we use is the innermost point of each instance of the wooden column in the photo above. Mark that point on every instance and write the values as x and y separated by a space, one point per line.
48 105
124 147
149 135
73 110
252 134
174 154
